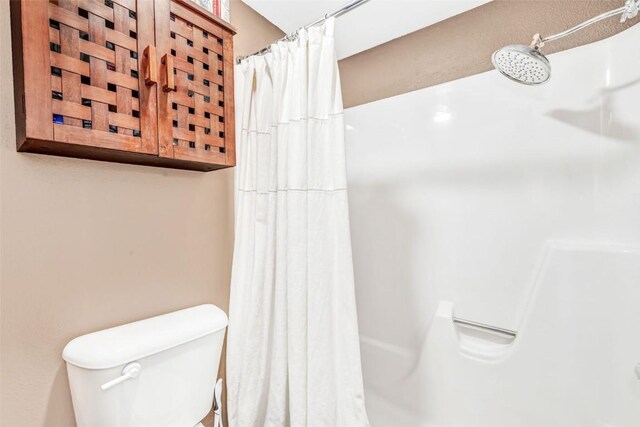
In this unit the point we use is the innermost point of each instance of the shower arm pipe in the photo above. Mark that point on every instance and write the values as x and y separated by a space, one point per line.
539 41
290 37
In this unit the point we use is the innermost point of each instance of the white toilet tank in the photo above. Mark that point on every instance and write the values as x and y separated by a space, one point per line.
172 369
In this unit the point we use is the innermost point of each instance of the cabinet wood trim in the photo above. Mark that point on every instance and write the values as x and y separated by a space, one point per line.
148 94
37 94
229 103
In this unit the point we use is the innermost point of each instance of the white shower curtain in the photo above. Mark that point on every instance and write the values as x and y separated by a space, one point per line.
293 356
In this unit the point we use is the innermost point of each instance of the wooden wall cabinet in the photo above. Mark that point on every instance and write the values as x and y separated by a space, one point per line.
131 81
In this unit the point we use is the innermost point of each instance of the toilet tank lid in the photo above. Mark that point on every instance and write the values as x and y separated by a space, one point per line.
123 344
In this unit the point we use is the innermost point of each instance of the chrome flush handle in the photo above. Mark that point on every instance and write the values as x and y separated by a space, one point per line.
132 370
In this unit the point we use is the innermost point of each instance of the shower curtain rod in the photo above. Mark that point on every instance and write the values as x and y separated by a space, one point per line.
341 11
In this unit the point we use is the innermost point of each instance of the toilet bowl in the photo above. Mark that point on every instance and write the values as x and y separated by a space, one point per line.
157 372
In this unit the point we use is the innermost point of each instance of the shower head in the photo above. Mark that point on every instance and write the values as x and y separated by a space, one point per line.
523 64
527 65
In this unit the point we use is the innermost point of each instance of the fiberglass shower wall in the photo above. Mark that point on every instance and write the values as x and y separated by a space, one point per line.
513 206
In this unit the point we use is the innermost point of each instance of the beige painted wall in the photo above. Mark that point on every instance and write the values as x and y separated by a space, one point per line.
87 245
462 45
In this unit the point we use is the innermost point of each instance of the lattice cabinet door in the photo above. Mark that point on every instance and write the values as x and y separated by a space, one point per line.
90 82
196 108
90 75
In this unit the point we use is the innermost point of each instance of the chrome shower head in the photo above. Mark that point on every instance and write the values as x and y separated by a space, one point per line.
526 65
523 64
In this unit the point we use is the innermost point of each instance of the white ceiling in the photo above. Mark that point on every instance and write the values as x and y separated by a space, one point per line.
369 25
